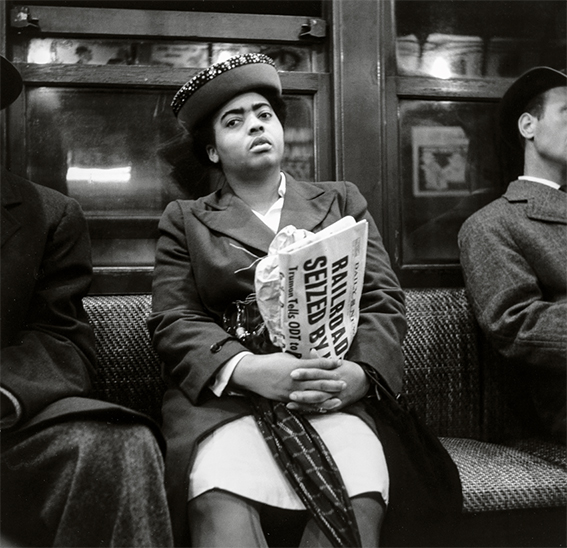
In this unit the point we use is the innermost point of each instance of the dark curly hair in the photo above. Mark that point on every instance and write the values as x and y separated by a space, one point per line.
203 133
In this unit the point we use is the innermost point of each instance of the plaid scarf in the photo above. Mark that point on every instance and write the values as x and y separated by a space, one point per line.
310 468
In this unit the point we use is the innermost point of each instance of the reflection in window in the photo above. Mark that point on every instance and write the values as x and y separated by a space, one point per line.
79 51
449 169
299 154
100 147
98 175
472 39
439 159
289 58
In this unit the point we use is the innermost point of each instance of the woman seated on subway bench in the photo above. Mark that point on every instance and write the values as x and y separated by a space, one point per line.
224 470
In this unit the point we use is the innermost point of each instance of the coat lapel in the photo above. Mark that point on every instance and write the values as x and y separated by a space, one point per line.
305 206
544 203
226 213
11 197
549 207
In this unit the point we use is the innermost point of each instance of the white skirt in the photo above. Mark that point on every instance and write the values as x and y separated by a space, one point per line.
236 458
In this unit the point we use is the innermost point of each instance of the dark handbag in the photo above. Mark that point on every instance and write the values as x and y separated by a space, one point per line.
242 320
426 498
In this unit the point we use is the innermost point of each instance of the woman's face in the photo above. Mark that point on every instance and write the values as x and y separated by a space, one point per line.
248 135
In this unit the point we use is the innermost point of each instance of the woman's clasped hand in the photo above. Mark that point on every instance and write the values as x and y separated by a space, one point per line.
309 385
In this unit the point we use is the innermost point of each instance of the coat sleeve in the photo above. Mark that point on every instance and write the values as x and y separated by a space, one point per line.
183 331
53 355
382 323
507 297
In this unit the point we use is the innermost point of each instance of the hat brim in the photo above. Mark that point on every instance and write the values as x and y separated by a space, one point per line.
520 93
217 92
10 83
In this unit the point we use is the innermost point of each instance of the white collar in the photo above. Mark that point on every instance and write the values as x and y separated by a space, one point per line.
272 217
539 180
283 185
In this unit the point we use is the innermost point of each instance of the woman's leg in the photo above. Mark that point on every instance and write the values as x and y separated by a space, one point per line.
221 519
369 510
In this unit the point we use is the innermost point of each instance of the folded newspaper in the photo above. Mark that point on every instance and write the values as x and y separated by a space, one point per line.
308 287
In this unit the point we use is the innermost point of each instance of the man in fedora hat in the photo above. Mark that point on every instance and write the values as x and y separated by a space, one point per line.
514 250
74 471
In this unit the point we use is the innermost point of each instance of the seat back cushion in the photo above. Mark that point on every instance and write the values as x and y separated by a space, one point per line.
442 361
128 370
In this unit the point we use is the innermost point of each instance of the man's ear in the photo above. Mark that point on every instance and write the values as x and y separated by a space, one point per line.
526 125
213 154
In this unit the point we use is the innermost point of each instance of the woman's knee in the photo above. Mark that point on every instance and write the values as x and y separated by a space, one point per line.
369 510
220 518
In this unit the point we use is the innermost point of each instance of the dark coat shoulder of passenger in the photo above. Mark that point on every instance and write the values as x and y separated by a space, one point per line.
48 349
514 258
48 345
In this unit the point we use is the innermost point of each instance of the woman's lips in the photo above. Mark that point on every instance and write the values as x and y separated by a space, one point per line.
260 142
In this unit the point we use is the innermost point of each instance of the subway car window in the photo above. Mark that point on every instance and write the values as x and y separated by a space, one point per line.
449 170
452 62
99 147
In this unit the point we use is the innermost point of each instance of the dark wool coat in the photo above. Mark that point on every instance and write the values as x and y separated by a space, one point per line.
205 261
48 347
514 258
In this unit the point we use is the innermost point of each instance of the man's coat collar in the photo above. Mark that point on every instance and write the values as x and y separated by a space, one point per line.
544 202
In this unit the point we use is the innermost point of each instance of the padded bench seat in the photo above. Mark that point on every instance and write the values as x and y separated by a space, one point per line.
515 492
497 478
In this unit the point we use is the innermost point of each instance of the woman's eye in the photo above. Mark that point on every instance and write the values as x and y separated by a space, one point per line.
232 122
265 115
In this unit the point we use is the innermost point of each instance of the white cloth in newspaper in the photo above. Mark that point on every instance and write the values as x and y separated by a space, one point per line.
308 287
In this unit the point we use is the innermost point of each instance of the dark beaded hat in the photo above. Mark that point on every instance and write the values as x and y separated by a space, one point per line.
213 87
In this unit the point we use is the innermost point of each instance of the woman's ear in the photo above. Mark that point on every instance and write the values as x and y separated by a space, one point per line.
212 154
526 125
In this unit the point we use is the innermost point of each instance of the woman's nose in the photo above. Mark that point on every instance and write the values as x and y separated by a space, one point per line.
255 125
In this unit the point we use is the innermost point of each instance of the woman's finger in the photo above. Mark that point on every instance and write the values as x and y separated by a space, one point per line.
322 385
323 407
303 374
312 396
